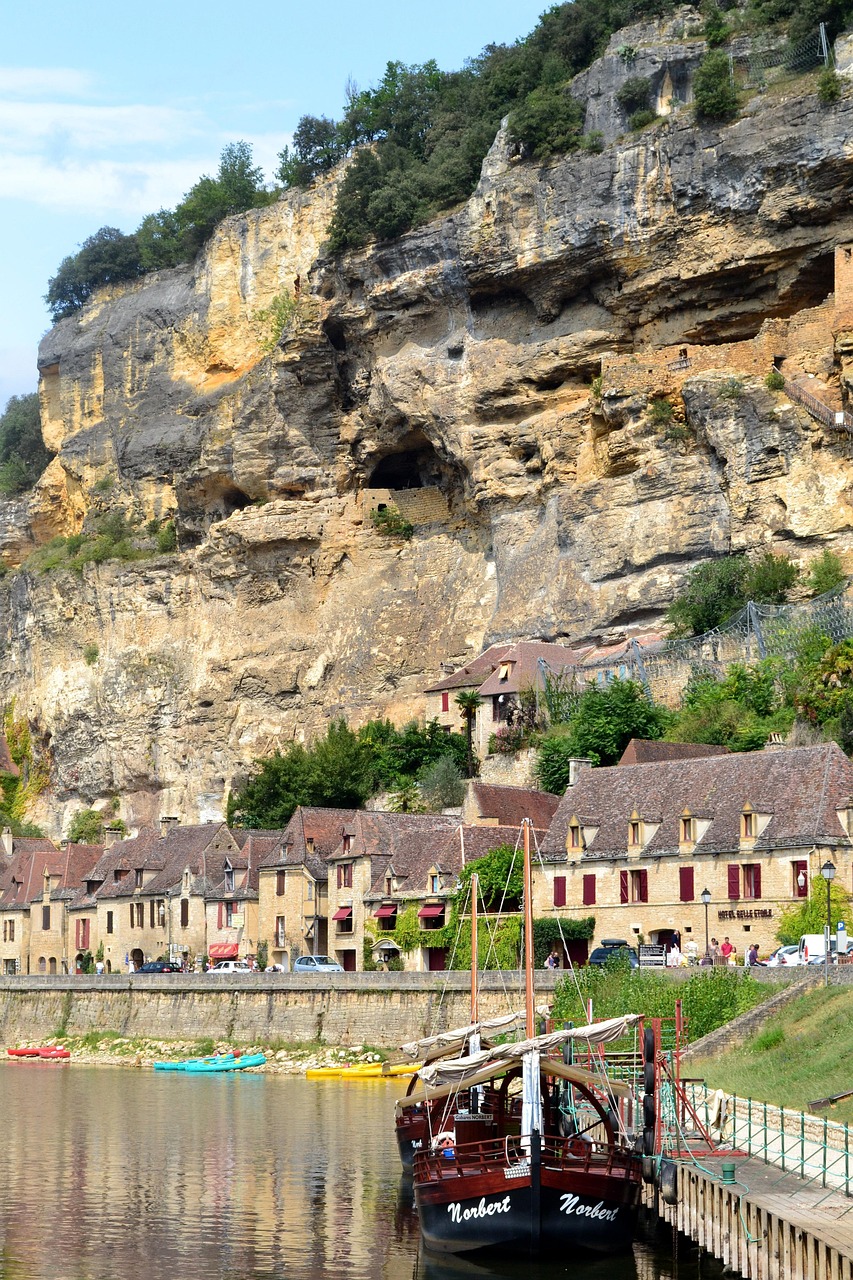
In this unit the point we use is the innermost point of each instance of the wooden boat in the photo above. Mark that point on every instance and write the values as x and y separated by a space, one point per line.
512 1172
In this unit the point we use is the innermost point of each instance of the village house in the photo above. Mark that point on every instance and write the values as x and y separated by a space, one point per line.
293 884
38 883
372 848
636 845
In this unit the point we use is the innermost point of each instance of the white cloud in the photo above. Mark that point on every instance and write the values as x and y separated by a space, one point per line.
24 125
43 81
104 187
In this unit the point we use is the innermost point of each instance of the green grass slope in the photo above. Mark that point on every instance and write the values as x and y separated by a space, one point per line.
804 1052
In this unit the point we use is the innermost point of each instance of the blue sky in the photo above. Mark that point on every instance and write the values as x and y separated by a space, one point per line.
109 112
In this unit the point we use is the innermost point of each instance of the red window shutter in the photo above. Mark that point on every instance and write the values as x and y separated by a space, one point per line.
644 887
132 916
798 868
560 891
734 881
589 891
685 876
756 880
340 877
445 701
623 886
219 916
77 934
85 934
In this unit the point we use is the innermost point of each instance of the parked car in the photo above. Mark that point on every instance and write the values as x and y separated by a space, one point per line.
159 966
231 966
782 955
316 964
611 947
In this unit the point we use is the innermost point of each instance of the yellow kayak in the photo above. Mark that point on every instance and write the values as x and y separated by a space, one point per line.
363 1071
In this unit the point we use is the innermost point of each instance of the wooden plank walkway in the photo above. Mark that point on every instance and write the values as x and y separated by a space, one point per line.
768 1225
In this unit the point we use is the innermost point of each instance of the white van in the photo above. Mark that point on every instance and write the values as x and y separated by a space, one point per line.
812 949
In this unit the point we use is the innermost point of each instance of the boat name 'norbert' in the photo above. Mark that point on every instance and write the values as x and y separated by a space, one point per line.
569 1204
481 1210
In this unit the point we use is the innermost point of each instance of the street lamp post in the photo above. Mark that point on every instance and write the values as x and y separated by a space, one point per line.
705 897
828 873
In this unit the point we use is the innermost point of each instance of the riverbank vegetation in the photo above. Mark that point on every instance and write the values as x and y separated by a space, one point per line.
800 1054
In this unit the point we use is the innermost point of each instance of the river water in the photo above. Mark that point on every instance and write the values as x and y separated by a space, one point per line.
122 1174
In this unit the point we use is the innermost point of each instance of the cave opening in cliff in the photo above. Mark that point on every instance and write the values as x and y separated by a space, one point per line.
414 467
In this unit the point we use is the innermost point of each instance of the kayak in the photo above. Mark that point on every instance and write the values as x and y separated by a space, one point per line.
185 1063
53 1051
368 1071
226 1064
23 1053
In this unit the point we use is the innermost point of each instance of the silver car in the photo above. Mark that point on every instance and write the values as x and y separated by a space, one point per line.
316 964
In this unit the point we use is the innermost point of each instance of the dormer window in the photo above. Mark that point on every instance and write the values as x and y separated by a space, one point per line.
688 831
309 844
747 825
347 843
389 884
229 878
434 883
635 831
138 878
574 836
506 667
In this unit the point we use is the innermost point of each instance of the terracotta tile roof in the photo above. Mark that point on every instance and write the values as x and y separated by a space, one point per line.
472 675
323 827
510 805
799 786
647 751
525 671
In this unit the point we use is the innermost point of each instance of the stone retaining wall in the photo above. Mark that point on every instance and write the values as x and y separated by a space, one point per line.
365 1008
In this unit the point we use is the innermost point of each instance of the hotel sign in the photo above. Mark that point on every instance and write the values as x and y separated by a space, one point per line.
759 913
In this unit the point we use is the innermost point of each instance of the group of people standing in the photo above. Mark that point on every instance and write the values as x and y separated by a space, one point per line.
725 952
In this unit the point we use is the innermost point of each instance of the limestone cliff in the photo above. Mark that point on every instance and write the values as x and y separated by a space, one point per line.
450 372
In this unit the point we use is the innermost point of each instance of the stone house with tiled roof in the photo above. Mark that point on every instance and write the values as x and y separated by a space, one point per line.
488 804
38 883
636 845
378 848
293 916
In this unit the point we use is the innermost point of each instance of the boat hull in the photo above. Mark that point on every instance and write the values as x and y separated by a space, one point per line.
588 1210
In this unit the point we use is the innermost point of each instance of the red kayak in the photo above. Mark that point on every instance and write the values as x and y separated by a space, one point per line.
53 1051
23 1053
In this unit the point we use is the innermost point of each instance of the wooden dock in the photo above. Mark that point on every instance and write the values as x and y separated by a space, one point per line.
767 1225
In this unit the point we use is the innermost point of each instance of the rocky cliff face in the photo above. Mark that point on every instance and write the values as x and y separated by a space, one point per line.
449 372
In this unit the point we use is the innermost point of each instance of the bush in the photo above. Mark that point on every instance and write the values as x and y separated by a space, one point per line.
634 94
714 94
90 654
442 785
167 537
390 521
592 141
829 86
717 30
731 389
825 573
713 592
600 727
640 119
660 413
774 381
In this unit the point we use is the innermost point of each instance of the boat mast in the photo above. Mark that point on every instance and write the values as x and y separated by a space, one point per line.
528 929
475 992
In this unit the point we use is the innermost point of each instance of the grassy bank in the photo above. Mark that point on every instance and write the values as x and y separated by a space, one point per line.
804 1052
709 997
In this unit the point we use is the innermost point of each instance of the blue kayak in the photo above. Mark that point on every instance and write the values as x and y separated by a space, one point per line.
227 1064
185 1063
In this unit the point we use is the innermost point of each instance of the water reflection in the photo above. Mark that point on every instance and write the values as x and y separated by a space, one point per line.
109 1173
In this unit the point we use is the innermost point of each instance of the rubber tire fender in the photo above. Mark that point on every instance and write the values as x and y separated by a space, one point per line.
649 1111
649 1170
648 1142
648 1044
668 1182
649 1077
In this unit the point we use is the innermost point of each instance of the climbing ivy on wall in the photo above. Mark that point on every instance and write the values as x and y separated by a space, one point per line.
19 793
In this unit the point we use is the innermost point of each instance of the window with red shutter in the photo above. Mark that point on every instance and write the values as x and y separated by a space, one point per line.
800 869
643 886
77 934
734 881
445 700
623 886
185 912
685 877
85 935
559 891
752 880
219 915
589 891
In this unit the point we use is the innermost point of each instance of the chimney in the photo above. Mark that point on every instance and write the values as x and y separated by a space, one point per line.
576 765
112 835
166 825
6 839
775 743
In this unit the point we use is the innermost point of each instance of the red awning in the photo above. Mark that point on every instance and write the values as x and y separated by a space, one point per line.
223 950
427 913
343 914
384 912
